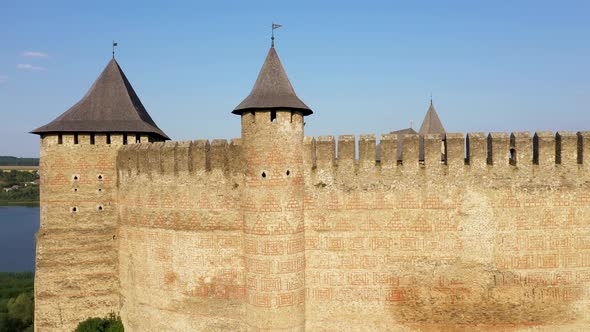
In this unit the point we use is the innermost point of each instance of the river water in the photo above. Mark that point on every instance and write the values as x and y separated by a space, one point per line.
18 225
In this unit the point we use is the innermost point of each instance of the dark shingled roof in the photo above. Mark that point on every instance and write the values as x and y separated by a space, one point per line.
431 123
110 105
272 89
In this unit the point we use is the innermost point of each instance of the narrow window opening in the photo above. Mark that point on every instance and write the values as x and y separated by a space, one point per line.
75 138
264 174
91 139
100 208
76 177
273 116
288 172
75 189
124 139
74 209
99 190
108 138
137 138
99 177
59 139
535 150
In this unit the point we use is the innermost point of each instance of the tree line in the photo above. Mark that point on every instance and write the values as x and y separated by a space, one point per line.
14 161
17 304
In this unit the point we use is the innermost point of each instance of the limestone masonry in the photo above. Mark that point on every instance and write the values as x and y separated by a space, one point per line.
276 231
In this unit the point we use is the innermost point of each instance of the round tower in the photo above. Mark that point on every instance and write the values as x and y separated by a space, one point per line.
272 200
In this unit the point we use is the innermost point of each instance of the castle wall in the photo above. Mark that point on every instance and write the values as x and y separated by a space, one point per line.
181 263
76 273
473 243
495 235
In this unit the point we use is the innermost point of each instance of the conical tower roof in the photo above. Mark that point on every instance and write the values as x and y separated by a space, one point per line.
272 89
110 105
431 123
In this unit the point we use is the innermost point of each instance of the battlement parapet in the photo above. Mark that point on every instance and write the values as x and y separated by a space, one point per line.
101 139
455 151
180 158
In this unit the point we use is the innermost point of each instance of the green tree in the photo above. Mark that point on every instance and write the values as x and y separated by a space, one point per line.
111 323
22 308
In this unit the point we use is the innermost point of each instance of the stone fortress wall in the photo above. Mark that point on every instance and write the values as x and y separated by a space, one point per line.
479 239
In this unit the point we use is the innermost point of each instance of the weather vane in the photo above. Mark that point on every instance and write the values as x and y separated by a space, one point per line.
272 38
114 45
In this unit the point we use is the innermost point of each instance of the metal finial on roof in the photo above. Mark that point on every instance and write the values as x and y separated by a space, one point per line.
114 44
431 98
272 38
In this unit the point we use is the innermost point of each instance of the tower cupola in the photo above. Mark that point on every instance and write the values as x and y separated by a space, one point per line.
110 106
272 90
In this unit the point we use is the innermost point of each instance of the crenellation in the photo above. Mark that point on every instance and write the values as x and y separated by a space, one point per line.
100 139
432 151
143 158
498 150
522 144
68 139
49 140
182 158
117 139
199 151
346 150
411 152
84 139
388 150
219 155
235 156
125 161
325 152
476 150
455 151
168 158
283 116
262 118
566 148
154 159
309 153
544 149
367 151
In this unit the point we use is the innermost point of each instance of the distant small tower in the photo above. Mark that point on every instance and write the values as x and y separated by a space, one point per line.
272 138
77 247
431 125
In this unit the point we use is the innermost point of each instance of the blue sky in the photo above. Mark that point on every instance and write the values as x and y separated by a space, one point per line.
363 66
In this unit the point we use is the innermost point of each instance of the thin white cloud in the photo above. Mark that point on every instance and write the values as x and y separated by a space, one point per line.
3 79
35 54
28 66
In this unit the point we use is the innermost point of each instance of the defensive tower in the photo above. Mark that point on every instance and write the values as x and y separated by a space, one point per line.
274 242
76 273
